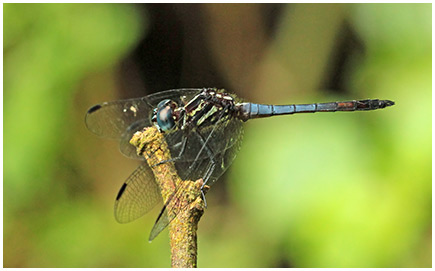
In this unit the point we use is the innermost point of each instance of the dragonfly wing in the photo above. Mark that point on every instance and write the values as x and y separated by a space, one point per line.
167 214
121 119
161 223
111 119
138 195
223 143
124 145
231 134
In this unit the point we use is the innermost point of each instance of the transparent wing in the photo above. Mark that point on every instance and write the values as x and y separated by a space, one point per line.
198 158
138 195
161 223
230 135
111 119
121 119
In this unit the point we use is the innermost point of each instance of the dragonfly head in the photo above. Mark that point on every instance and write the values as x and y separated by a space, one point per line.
163 116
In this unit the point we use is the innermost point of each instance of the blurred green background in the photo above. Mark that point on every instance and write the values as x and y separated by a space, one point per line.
322 190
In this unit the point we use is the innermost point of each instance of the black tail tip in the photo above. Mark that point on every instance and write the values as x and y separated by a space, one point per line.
389 103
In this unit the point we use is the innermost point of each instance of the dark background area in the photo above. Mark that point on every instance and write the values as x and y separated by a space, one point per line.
313 190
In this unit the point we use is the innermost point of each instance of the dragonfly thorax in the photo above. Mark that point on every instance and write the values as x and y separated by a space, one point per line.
208 108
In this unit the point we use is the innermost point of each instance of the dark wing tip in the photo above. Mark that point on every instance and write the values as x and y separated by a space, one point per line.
88 118
121 191
94 108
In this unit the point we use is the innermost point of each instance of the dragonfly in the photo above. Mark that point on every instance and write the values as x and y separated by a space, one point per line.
203 128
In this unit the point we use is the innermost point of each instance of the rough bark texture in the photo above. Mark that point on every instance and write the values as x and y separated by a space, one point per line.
186 204
183 232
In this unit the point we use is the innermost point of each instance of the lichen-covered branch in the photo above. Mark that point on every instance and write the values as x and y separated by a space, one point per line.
186 206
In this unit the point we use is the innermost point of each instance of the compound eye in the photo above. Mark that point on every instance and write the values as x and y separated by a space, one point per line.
164 115
163 103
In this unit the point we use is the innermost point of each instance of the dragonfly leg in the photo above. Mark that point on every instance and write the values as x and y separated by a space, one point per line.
203 198
183 147
208 173
207 176
195 163
204 142
205 146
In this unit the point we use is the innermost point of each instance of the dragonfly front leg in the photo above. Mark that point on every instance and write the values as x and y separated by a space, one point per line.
183 148
207 175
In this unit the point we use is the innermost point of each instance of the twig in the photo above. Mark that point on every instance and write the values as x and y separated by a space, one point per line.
187 205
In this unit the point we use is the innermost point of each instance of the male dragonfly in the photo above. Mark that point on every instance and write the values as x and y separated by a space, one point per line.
203 130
